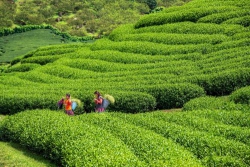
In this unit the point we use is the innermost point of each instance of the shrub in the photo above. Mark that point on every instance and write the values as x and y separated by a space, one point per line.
224 83
200 143
191 14
227 160
244 21
213 103
174 39
221 17
151 48
241 95
22 67
42 60
175 95
67 141
152 148
13 103
132 102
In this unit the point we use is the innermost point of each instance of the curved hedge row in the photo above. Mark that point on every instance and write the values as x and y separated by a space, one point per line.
175 95
213 103
22 67
224 83
150 147
42 60
150 48
222 17
188 119
190 14
241 95
244 21
174 39
193 28
67 141
202 144
238 118
8 31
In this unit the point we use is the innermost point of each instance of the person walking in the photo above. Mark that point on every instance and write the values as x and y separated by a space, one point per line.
67 105
98 102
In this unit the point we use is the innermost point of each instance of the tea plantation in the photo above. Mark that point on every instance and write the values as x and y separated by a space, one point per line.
195 57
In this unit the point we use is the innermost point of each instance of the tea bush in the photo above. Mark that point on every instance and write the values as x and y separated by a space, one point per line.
174 39
150 147
244 21
200 143
188 14
222 17
210 102
188 119
241 95
22 67
67 141
174 96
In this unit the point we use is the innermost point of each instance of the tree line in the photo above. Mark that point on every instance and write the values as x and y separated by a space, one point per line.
78 17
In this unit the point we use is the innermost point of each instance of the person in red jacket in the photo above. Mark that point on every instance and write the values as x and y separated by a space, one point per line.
98 101
67 105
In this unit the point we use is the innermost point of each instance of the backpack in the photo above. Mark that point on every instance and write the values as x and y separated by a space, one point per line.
105 103
74 105
60 104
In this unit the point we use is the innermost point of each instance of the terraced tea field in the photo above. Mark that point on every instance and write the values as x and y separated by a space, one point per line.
176 58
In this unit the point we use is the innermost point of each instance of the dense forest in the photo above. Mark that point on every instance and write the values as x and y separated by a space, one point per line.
79 17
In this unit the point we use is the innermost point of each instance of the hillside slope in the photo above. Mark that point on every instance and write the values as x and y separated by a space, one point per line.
163 61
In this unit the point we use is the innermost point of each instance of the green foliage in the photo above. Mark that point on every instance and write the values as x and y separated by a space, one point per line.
191 120
19 44
174 39
6 13
67 141
181 60
174 96
80 108
193 15
150 48
110 98
20 29
241 95
222 17
22 67
131 102
200 143
149 147
244 21
224 161
213 103
224 83
192 28
78 18
28 101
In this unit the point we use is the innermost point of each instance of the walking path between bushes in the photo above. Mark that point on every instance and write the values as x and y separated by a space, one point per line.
12 154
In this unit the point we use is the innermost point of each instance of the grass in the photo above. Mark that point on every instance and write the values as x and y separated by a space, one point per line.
14 155
20 43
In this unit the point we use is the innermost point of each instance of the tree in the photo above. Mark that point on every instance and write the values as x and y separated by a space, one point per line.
7 12
151 4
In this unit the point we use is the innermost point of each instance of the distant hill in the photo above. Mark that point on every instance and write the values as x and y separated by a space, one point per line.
77 17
